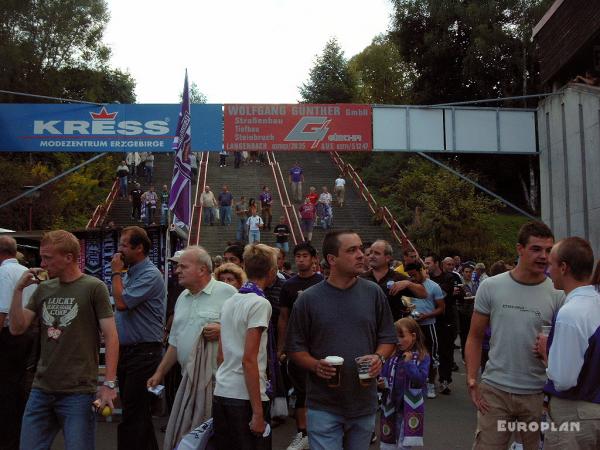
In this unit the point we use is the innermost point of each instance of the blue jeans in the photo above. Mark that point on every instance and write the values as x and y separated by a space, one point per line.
327 431
164 214
45 414
225 213
285 246
208 215
241 230
253 236
123 187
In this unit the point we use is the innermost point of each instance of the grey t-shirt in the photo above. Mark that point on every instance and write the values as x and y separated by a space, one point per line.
327 321
517 312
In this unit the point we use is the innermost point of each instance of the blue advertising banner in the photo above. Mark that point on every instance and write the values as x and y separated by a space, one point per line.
109 128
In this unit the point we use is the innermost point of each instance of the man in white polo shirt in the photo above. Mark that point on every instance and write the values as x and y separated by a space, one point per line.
574 356
198 308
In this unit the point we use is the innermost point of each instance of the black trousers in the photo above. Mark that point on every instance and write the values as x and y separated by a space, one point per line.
231 417
14 351
464 325
137 363
445 332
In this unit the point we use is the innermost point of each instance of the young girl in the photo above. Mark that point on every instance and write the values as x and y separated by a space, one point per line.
404 379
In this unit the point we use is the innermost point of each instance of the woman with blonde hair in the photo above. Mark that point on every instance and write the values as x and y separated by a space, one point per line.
231 274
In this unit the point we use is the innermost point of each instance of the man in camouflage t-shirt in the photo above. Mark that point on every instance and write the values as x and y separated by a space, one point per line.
72 308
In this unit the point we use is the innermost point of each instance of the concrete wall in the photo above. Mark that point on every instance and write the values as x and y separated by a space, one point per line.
569 145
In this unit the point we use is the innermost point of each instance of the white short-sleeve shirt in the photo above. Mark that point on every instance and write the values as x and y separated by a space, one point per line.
240 313
10 272
194 311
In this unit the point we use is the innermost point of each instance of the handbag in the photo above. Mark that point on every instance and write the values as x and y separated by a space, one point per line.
200 438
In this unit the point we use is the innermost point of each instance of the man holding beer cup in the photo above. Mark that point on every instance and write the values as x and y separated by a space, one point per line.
332 324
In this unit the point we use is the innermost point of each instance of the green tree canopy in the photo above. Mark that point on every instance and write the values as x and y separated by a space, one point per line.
55 48
465 50
196 95
330 79
381 74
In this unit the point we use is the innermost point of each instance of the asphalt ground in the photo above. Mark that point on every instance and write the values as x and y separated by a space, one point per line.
450 422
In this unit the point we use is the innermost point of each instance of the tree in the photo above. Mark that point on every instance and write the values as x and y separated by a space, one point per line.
196 95
382 75
330 79
55 48
465 50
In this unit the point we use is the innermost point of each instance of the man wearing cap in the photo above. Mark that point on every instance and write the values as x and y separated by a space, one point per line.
198 310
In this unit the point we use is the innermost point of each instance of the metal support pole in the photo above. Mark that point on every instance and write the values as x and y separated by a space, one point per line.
477 185
52 180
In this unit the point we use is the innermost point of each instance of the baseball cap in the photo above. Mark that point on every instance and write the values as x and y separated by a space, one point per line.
177 256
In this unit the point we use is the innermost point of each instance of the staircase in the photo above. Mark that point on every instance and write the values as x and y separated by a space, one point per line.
319 171
248 181
120 212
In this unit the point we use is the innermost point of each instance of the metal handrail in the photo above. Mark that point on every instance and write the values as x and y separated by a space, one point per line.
388 218
290 204
202 175
103 208
284 200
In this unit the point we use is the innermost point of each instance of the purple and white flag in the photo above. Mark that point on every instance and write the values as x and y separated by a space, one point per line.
181 185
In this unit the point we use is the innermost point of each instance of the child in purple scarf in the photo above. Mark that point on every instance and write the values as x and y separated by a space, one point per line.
404 376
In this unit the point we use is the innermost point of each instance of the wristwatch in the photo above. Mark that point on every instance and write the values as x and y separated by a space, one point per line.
110 384
381 358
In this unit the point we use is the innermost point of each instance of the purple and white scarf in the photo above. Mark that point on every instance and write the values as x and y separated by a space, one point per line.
413 412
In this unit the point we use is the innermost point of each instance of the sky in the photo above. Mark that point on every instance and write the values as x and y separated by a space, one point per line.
236 51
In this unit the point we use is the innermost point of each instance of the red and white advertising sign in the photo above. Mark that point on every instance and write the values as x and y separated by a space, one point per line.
302 127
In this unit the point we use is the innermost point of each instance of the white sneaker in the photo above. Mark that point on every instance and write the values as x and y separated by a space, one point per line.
299 443
431 390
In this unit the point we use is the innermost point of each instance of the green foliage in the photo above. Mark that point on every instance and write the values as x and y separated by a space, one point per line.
54 48
439 211
464 50
382 75
67 203
330 79
196 95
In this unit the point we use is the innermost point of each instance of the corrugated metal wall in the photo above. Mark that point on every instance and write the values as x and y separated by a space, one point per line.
569 145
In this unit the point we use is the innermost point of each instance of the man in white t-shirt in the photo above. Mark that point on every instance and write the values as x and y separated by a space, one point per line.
340 189
14 350
515 305
240 403
254 224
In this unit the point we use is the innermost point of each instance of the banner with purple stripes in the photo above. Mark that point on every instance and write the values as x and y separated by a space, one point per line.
181 184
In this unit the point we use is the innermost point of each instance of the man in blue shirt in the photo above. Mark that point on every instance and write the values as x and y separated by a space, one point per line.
225 201
140 301
296 178
574 356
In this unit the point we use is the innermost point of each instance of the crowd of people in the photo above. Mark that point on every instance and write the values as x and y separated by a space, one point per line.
149 207
254 216
350 335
